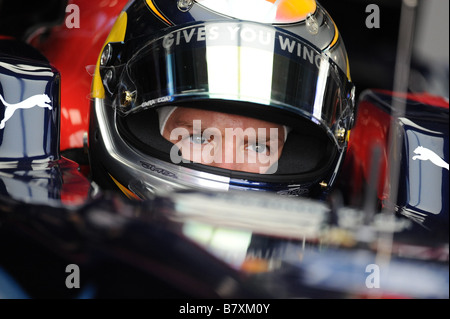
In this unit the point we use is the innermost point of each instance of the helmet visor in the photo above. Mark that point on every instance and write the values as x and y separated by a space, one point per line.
235 61
243 65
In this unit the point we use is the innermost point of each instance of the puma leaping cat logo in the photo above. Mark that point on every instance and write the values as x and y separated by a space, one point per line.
40 100
425 154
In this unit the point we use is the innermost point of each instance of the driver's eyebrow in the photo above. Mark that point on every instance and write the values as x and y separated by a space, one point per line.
186 124
189 125
274 136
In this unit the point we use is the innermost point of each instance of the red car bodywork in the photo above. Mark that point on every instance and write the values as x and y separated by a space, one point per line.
74 52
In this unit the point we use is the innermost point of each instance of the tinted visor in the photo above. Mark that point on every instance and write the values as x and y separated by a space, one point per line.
235 61
251 68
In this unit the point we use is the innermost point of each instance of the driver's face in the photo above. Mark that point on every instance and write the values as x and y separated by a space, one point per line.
225 140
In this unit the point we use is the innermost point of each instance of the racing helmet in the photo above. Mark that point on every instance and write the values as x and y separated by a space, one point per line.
282 62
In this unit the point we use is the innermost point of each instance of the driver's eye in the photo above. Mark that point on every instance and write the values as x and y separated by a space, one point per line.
258 148
197 139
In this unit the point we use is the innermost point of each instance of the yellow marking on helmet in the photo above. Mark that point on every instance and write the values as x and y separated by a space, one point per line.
294 10
333 43
125 190
117 34
156 11
336 35
348 70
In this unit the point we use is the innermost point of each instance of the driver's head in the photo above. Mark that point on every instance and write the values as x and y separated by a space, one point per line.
221 95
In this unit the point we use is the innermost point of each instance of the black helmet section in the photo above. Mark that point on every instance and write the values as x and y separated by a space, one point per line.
308 153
